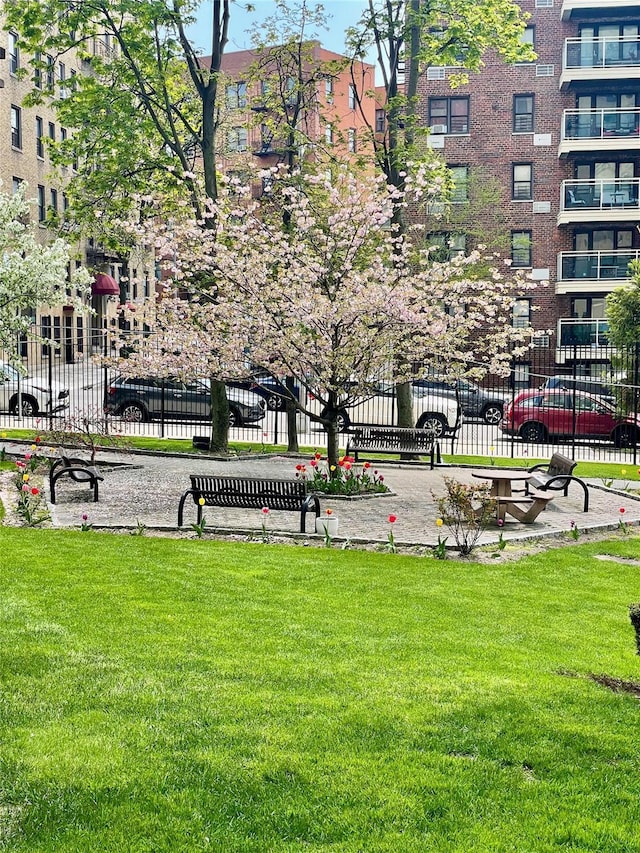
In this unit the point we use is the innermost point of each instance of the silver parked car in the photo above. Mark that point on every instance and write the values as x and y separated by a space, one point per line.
34 393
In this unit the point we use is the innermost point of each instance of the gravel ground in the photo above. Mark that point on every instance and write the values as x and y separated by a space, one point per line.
145 490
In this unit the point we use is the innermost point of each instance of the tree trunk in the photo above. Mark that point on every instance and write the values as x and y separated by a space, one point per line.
333 445
292 418
219 417
404 399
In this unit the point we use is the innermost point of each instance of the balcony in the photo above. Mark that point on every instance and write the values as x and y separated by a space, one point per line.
594 272
590 8
602 130
582 338
600 60
599 200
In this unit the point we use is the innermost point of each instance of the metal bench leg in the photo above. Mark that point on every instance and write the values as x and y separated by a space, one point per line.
181 506
312 502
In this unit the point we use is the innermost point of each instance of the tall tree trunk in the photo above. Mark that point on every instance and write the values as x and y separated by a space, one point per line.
219 417
292 418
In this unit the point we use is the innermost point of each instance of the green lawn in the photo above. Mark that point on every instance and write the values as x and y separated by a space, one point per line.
181 695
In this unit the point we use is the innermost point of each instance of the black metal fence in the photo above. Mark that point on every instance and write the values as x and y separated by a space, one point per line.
581 399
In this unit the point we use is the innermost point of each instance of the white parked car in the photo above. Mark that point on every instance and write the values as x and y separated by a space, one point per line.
436 412
38 398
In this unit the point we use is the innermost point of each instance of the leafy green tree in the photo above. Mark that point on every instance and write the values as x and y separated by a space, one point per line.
623 316
143 114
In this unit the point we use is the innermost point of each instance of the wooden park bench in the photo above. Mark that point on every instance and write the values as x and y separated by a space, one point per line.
77 470
556 475
393 440
250 493
524 509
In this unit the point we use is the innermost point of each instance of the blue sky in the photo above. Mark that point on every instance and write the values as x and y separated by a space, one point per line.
340 15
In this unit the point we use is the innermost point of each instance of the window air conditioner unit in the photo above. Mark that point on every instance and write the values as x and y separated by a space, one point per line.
438 128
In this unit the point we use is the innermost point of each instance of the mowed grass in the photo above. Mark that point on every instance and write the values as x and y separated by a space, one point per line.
183 695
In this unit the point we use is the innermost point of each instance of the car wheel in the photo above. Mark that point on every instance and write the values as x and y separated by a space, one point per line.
435 424
29 406
235 420
343 421
133 413
275 401
533 432
492 415
625 436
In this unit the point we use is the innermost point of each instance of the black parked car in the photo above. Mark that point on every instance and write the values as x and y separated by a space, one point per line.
147 399
273 391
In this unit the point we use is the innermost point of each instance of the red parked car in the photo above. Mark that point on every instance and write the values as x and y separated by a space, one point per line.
538 415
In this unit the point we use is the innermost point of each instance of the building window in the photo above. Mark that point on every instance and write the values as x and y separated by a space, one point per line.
50 72
53 200
45 332
380 121
523 113
521 314
528 36
236 96
351 140
52 131
328 133
37 71
447 245
42 204
352 96
16 126
522 183
460 179
80 333
521 249
14 53
16 183
39 137
62 78
328 89
449 115
238 139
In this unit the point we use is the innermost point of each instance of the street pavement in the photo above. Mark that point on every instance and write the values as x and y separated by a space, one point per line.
145 489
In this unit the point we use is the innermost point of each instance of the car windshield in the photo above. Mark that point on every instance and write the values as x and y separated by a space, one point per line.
10 373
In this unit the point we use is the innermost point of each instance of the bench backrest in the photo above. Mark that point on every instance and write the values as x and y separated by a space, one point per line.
249 492
560 464
372 438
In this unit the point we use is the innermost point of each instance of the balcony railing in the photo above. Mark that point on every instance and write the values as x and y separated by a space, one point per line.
621 123
601 52
583 333
596 266
613 196
602 7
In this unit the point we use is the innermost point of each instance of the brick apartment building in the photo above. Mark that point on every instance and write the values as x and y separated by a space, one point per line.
562 137
263 89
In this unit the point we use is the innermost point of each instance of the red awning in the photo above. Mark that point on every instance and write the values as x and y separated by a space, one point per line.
105 285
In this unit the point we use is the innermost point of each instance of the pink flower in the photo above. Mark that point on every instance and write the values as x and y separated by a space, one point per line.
501 522
25 488
314 463
265 510
84 516
393 519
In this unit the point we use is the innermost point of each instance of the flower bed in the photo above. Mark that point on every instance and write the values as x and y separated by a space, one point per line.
346 479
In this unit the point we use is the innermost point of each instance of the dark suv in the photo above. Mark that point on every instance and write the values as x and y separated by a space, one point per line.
475 402
139 400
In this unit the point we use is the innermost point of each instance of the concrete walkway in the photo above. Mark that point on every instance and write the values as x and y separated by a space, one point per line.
147 488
